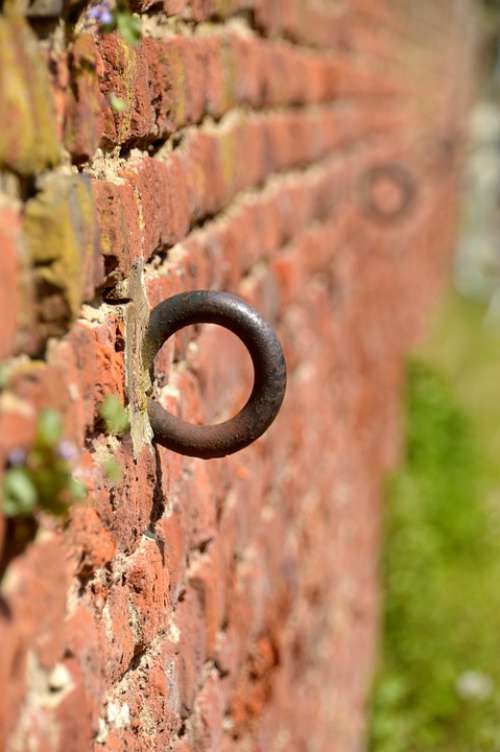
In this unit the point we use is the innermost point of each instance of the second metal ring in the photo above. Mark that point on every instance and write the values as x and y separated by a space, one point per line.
397 175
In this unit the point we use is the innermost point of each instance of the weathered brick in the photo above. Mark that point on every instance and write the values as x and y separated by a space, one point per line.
209 715
165 85
149 587
26 100
60 236
93 545
85 104
16 293
206 578
119 225
124 76
171 193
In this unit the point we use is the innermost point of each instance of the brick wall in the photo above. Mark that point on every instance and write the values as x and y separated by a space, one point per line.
228 605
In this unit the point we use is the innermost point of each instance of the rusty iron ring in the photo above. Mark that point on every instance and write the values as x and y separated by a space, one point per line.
262 407
397 174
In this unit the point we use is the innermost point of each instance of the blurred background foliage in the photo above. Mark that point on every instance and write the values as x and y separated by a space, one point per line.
438 684
438 687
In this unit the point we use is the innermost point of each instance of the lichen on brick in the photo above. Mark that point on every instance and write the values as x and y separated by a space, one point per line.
84 122
26 100
178 83
223 8
60 234
229 74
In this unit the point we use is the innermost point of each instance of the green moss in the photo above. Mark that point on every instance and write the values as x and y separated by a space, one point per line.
438 687
28 134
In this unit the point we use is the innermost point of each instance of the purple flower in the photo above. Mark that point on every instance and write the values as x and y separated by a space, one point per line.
106 17
17 456
67 450
101 13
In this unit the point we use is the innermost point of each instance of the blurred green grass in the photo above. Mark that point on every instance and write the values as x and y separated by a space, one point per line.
438 686
466 350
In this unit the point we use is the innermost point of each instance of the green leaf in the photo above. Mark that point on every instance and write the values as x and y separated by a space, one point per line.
49 428
115 416
129 27
77 489
20 494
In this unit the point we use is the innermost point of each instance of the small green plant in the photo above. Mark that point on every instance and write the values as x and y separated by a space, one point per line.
117 104
42 478
114 415
119 19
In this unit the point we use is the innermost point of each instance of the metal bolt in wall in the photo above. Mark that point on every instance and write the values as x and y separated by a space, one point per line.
268 391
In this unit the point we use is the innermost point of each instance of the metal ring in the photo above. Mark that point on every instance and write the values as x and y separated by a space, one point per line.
398 175
203 306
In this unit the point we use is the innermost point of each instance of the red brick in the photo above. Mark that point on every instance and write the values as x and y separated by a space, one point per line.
206 578
172 536
209 715
93 545
14 288
85 103
124 76
149 587
119 229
